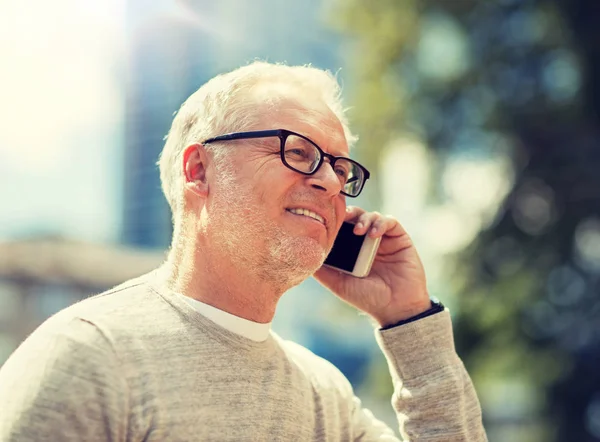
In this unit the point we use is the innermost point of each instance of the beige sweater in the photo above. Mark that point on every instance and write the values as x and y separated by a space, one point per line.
139 364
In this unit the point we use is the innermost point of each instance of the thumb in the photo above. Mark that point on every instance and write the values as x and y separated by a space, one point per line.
330 278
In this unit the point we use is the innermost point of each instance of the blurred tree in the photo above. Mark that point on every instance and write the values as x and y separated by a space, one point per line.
494 80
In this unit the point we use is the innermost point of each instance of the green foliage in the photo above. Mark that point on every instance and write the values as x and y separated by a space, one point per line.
381 30
458 74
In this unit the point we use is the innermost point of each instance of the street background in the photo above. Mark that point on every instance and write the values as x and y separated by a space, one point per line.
479 122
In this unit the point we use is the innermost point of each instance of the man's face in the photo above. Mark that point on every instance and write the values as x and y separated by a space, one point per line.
252 206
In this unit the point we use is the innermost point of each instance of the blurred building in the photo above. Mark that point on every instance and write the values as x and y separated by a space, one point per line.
39 277
167 59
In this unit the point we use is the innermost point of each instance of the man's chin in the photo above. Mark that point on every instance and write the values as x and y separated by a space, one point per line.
303 255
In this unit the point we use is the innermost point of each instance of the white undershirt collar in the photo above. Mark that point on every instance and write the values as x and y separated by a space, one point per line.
249 329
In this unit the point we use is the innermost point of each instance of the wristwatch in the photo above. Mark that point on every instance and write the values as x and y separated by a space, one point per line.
436 307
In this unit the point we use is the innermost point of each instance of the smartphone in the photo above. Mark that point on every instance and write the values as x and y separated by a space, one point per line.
353 254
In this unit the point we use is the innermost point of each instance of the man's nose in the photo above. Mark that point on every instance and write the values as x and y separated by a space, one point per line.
326 179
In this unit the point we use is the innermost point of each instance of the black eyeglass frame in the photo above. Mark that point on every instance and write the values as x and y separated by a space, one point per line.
283 134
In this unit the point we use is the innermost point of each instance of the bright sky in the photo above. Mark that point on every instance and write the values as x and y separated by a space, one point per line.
60 109
62 94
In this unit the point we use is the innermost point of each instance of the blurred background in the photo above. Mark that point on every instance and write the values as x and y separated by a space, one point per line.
480 122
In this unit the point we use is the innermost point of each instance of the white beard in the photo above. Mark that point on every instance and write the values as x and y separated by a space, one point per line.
256 245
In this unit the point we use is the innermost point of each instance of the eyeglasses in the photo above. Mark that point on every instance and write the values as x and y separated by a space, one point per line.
303 156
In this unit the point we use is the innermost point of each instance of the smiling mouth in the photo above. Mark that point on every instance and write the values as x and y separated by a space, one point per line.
308 213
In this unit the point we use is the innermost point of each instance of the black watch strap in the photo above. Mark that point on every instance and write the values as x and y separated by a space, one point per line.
436 307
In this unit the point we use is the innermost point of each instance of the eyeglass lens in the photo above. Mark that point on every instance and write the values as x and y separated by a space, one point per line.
304 156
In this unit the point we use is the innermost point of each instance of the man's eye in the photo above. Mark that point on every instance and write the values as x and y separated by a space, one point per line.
341 172
298 153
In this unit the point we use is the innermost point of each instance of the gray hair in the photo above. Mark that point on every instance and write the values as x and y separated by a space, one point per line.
221 105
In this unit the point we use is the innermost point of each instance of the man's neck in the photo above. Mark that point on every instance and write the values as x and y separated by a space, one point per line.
196 271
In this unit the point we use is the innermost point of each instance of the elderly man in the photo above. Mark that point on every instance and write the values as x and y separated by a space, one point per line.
257 174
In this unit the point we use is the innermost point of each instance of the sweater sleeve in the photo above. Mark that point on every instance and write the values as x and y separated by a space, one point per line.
434 398
63 385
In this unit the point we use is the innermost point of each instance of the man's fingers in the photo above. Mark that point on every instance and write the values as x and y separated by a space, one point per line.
352 213
383 225
366 221
373 223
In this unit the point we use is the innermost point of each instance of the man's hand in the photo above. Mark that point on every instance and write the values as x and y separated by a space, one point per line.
395 289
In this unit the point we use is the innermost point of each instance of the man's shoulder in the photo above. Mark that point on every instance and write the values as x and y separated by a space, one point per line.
121 309
126 299
315 367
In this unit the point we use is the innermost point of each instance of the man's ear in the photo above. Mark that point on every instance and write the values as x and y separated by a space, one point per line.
195 164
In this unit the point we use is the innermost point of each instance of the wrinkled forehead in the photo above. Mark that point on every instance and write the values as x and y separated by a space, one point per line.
285 107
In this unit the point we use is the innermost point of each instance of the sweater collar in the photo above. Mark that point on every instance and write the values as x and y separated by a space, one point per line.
254 331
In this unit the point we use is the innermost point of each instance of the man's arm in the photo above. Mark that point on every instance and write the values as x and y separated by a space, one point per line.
63 384
434 398
433 394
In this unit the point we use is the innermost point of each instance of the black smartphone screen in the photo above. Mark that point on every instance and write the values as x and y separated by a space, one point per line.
345 249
